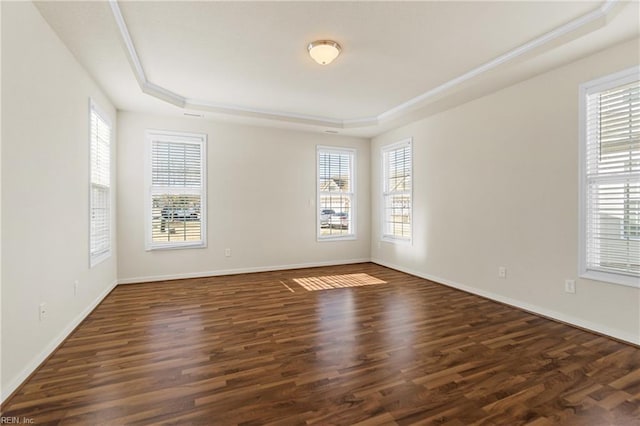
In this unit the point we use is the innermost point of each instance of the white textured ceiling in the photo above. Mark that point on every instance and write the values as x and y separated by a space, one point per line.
247 60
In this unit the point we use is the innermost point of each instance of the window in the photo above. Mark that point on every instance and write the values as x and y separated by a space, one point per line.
336 189
397 191
610 178
176 197
100 186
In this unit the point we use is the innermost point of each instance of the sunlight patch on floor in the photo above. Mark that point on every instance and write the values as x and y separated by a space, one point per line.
337 281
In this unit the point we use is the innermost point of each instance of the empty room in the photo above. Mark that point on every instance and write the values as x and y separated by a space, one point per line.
320 212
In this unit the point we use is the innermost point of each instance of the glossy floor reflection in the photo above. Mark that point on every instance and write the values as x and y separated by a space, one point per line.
382 348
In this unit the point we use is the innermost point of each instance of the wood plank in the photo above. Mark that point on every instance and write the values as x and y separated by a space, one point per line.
246 349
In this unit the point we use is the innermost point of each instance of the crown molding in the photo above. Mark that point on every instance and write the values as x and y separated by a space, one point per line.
199 104
132 55
601 13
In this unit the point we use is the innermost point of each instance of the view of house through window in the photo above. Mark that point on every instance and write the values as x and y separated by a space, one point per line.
336 202
177 190
176 218
397 191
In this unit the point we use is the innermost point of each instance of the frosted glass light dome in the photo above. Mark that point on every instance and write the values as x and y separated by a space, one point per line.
324 51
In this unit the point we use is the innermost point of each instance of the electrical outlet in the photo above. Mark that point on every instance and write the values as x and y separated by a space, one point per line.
569 286
502 272
76 284
227 252
43 311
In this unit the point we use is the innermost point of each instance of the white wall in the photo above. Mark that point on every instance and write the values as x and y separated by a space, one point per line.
261 201
45 205
496 184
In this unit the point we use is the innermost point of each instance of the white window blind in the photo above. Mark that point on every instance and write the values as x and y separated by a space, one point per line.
611 179
397 191
100 186
177 196
336 193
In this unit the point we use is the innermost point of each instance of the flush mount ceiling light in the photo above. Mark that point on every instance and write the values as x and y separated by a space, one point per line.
324 51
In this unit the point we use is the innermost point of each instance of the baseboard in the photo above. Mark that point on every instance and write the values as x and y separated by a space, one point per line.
53 345
239 271
559 316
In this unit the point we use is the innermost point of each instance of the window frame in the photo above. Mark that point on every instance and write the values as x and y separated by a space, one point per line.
352 152
587 89
152 135
99 257
384 236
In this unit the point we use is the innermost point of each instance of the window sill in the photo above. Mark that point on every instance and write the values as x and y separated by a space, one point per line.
611 278
351 237
396 240
198 245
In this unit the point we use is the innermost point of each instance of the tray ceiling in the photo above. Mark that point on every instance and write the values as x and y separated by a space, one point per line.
247 61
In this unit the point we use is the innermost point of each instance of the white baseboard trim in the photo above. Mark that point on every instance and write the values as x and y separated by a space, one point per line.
578 322
46 352
220 272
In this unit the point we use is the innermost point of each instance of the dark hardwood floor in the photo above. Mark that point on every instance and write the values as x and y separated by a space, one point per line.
290 348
